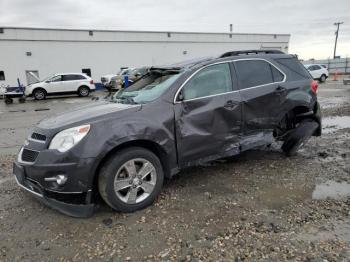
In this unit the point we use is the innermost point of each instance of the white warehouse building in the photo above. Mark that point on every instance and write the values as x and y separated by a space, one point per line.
45 51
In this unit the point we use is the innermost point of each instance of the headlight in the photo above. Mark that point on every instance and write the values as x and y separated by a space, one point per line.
68 138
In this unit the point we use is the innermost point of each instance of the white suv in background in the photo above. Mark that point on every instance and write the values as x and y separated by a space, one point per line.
318 72
67 83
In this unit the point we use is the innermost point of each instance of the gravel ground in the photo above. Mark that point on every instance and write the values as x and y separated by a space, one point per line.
260 205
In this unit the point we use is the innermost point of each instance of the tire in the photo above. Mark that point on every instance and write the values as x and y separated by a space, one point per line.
83 91
299 136
39 94
125 190
8 100
323 78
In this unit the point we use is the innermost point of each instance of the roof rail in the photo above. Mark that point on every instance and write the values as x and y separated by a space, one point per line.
250 52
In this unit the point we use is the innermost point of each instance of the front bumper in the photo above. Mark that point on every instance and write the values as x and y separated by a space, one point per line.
71 204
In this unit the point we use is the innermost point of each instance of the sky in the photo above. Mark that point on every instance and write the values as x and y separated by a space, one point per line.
310 22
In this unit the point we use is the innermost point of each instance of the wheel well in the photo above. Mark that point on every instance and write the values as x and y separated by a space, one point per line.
83 86
291 119
150 145
39 88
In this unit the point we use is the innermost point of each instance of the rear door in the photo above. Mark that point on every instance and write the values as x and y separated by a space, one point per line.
72 82
262 88
208 115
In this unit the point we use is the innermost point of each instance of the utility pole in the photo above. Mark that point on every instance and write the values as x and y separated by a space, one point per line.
336 36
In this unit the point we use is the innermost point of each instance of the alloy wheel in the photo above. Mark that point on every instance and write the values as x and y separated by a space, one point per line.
135 181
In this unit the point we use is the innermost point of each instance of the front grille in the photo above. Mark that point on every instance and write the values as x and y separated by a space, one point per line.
38 136
29 155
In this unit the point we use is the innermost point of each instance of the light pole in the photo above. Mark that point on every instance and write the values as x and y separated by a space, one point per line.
336 36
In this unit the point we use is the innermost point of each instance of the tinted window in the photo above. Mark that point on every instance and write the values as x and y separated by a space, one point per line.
276 74
212 80
2 75
253 73
294 68
316 67
72 77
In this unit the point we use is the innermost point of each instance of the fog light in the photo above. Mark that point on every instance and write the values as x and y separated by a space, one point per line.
59 179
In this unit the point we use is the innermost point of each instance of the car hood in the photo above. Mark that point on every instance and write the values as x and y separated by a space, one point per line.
95 111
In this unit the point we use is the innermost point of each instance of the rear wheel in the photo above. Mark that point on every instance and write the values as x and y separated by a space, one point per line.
8 100
131 179
83 91
39 94
299 136
323 78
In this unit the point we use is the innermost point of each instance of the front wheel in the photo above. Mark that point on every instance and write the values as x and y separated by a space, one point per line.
39 94
131 179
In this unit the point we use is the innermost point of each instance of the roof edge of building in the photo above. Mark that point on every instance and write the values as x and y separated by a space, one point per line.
135 31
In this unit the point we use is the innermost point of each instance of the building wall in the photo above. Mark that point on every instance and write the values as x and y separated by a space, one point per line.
104 52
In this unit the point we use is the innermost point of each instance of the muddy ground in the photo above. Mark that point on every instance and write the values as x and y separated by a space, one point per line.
260 205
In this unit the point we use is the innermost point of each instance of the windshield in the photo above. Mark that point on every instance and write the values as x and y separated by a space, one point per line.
48 78
147 89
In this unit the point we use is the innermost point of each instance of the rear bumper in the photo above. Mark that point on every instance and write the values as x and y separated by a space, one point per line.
65 202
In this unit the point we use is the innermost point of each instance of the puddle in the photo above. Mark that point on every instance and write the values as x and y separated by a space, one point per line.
332 124
280 195
331 189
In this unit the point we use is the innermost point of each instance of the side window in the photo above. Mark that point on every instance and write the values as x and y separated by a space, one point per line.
79 77
2 76
317 67
294 69
212 80
253 73
68 77
56 79
72 77
276 74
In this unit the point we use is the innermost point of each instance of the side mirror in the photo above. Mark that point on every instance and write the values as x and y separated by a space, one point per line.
47 81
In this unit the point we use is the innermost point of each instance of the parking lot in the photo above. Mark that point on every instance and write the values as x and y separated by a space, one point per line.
260 205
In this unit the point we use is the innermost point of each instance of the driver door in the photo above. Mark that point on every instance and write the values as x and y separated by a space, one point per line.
55 84
208 116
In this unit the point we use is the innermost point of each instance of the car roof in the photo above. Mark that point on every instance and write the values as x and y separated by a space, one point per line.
71 74
199 62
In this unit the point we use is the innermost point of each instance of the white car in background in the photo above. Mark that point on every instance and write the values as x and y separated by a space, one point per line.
106 80
59 84
318 72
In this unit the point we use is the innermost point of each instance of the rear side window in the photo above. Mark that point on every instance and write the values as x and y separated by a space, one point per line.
212 80
294 69
276 74
256 72
72 77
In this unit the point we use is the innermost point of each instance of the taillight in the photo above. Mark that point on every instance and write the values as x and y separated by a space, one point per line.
91 81
314 86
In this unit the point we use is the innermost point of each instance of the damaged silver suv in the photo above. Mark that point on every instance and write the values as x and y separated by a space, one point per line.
173 117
